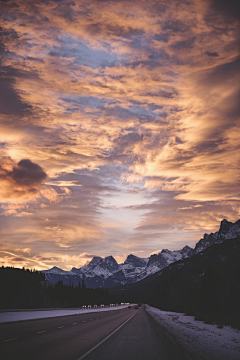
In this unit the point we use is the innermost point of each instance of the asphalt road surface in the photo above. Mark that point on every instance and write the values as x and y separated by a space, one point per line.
131 334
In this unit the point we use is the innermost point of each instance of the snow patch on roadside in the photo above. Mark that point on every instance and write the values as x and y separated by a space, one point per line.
10 316
202 341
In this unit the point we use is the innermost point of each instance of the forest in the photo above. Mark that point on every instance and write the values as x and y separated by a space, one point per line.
27 289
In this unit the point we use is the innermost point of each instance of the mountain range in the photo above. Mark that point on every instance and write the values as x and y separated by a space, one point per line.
107 273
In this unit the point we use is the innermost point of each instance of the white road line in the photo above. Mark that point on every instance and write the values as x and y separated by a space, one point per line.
101 342
60 327
74 323
84 321
9 340
40 332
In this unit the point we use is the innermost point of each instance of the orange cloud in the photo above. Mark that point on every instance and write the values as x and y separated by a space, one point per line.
25 250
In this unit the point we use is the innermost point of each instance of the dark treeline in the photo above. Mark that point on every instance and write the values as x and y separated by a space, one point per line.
27 289
212 296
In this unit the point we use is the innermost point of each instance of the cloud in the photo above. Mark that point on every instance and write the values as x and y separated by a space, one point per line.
10 259
27 173
20 180
211 54
229 10
77 261
50 194
185 44
175 26
25 250
10 103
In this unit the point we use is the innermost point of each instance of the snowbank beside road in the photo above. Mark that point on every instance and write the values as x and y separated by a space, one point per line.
201 341
10 316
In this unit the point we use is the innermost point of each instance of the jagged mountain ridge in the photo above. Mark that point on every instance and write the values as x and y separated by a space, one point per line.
228 230
106 272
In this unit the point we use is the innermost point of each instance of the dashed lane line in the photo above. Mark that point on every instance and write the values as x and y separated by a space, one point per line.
100 343
60 327
9 339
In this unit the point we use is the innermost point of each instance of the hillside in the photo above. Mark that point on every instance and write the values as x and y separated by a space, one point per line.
206 285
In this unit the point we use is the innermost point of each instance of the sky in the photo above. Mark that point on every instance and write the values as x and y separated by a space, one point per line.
119 127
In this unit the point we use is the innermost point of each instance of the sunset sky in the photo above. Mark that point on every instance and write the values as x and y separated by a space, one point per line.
119 127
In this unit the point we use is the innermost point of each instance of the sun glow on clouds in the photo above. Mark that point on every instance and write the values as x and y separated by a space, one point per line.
119 126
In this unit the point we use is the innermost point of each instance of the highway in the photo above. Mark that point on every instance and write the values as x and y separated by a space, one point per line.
122 334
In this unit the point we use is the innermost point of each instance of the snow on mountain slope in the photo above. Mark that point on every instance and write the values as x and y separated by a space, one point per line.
98 267
58 271
106 272
135 261
228 230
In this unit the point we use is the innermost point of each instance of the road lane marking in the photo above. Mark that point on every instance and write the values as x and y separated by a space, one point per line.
101 342
74 323
60 327
9 340
84 321
40 332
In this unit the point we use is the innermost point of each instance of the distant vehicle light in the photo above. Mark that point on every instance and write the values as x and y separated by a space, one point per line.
89 306
84 306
